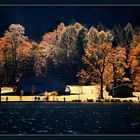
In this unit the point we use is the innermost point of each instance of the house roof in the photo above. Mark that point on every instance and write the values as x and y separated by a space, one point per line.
41 84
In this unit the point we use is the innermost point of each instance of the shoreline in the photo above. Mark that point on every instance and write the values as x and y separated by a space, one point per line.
112 101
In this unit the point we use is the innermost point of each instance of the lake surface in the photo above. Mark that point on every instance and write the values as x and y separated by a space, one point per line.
69 118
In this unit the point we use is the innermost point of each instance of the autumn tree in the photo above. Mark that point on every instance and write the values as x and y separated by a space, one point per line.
5 57
96 56
49 38
60 28
107 54
47 55
123 37
118 36
71 44
134 60
128 37
61 51
15 47
81 45
67 47
26 55
116 64
16 36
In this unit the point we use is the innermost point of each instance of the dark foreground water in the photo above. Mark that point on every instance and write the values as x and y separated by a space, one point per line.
69 118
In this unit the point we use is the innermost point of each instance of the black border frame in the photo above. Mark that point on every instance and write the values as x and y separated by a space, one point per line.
71 2
120 2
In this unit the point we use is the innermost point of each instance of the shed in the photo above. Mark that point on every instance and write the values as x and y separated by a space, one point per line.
121 91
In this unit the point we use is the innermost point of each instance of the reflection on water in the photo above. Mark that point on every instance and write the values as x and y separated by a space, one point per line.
69 118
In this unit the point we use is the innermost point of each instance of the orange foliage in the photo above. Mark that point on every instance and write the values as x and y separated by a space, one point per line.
24 49
84 76
115 69
135 59
60 29
49 38
135 66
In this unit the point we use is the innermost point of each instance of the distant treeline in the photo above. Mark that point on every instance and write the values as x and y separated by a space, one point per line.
73 54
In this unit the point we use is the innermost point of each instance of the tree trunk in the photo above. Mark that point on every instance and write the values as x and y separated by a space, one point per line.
14 66
6 70
101 87
127 70
114 76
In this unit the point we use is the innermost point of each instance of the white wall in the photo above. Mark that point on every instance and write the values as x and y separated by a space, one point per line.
94 90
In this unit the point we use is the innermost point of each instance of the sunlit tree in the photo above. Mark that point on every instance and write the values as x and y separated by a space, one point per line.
47 56
96 56
15 47
116 65
134 60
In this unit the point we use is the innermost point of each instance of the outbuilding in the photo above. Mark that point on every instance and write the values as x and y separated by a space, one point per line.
123 90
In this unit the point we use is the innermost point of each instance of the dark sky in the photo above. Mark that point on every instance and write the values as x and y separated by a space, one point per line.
40 19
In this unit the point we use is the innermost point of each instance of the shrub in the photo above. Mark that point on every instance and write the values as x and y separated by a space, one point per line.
89 100
125 101
98 100
76 100
106 100
117 100
130 100
112 100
